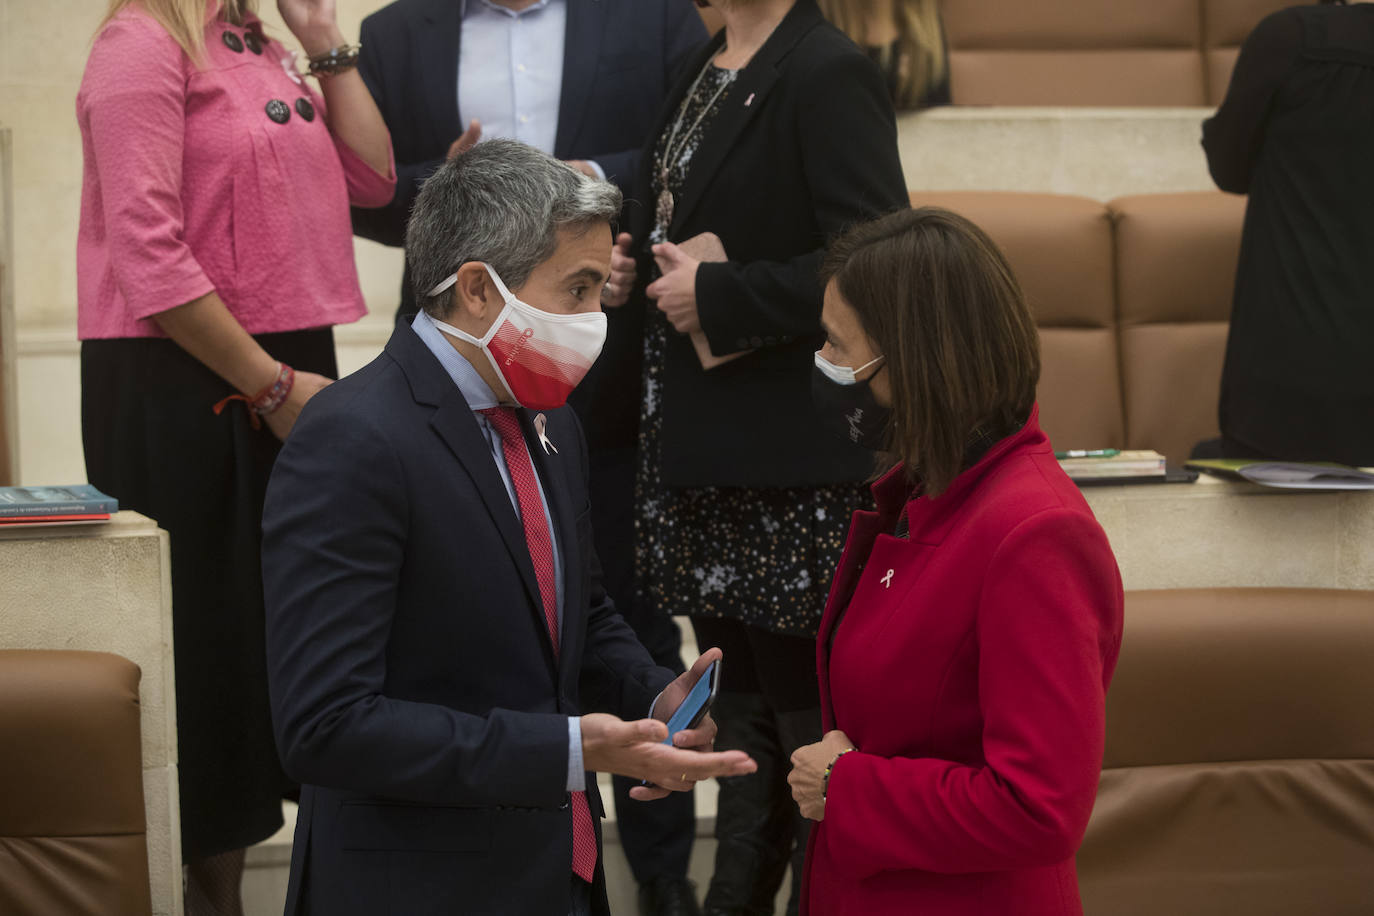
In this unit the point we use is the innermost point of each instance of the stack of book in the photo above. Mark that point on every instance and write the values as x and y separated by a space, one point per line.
1111 465
36 506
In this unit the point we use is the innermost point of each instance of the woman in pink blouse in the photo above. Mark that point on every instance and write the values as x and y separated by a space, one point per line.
213 258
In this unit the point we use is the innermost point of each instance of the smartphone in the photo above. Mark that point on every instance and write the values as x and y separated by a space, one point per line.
697 703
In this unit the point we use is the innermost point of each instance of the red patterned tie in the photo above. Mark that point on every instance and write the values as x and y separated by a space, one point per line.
540 545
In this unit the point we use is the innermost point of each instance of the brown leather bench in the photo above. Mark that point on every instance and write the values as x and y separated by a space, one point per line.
1165 53
1087 52
73 836
1239 766
1132 299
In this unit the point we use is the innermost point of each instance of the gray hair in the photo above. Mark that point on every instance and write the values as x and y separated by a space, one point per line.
501 202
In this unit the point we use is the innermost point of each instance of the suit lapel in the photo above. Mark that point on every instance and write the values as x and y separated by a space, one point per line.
586 23
745 98
436 46
455 425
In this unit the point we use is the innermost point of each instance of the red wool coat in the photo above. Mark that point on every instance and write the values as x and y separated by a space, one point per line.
969 666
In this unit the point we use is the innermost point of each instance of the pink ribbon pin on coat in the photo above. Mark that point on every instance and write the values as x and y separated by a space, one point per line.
541 422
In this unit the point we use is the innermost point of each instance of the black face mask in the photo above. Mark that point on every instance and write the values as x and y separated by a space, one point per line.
851 411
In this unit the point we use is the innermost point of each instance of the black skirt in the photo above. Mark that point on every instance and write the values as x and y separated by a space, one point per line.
153 442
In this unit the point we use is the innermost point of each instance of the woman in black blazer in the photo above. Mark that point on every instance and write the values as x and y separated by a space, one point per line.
778 135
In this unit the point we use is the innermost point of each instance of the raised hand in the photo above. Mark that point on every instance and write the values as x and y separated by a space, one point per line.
467 141
636 750
617 290
676 290
313 22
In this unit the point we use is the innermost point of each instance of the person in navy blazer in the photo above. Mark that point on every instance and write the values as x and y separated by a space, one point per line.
440 722
619 59
605 73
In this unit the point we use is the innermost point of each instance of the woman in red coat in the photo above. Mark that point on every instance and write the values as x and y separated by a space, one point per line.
975 618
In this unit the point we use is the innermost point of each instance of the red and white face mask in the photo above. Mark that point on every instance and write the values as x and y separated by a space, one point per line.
540 357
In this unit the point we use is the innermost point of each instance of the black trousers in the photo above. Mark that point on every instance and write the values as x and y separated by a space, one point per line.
768 705
780 667
153 442
657 836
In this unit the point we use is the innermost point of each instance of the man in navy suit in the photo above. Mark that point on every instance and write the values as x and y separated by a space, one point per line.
444 664
582 80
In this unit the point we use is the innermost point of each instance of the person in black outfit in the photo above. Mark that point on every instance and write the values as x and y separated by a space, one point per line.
1296 131
778 135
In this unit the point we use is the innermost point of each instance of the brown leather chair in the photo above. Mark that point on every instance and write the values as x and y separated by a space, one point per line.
1239 767
72 827
1074 52
1175 273
1225 26
1060 248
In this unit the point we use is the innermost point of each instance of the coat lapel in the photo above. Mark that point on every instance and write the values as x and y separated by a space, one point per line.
585 26
440 33
455 425
745 98
643 216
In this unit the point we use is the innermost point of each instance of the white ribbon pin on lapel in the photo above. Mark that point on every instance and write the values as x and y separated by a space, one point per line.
541 423
887 579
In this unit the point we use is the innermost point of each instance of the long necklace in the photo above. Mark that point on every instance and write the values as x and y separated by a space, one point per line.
664 211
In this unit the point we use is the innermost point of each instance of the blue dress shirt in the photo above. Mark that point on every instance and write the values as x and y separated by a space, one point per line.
510 70
479 396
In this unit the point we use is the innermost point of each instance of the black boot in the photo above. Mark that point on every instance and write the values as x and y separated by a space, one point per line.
753 824
798 729
668 896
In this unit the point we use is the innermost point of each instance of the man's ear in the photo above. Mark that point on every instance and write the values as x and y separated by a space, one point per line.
474 294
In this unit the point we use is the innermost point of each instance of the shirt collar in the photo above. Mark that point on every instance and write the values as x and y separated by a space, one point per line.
474 6
475 391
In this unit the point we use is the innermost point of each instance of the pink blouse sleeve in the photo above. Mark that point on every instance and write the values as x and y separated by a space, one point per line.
366 188
133 108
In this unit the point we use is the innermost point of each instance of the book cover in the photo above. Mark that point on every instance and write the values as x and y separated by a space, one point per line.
1288 475
44 521
1138 463
81 499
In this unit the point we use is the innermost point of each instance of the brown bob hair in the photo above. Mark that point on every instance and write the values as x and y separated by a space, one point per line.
937 298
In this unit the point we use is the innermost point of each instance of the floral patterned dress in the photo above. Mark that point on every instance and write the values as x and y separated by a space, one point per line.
763 557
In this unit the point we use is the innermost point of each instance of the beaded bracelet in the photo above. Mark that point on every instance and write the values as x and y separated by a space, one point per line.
825 780
268 399
335 60
275 394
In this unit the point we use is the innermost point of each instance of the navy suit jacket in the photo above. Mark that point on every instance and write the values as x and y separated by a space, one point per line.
415 691
619 60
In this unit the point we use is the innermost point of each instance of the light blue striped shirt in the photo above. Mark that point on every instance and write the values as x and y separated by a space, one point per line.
510 70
